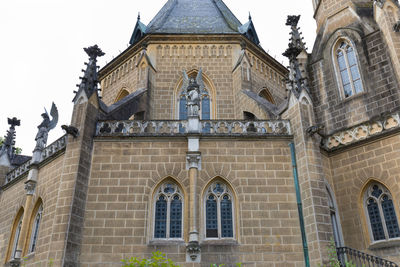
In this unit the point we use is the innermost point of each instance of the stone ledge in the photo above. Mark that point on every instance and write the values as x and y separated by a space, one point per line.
385 244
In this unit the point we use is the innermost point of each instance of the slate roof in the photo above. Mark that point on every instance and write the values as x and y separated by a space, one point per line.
194 17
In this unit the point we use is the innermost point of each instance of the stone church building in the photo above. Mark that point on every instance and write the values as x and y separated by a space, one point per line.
197 143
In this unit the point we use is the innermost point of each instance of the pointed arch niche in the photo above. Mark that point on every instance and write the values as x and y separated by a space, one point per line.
122 93
208 98
15 232
380 213
266 94
219 211
167 211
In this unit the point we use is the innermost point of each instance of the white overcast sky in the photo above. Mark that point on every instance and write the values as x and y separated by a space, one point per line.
41 45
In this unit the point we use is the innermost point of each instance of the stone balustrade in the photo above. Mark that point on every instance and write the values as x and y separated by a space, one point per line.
208 128
50 150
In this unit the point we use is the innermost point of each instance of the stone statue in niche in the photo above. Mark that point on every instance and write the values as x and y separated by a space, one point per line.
193 88
45 127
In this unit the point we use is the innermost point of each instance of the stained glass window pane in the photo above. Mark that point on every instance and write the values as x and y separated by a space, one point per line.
182 112
351 56
375 220
175 225
341 61
160 225
211 217
347 90
358 86
376 191
205 112
35 233
354 72
390 218
226 217
345 77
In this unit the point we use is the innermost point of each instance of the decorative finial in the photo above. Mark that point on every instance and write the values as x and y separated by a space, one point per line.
7 148
94 51
249 16
138 16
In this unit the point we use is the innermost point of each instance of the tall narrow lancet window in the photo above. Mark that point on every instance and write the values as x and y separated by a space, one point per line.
16 237
35 229
382 219
334 220
168 212
348 69
219 211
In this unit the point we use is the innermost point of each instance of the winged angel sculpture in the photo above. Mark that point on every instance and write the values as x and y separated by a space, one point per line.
193 89
45 127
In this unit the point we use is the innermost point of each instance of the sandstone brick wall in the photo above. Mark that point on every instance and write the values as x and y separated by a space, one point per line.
381 92
351 171
14 197
125 173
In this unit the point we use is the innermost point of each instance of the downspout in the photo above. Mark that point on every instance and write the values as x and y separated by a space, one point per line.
299 205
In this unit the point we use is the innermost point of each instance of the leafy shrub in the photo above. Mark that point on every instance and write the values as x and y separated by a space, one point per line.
157 259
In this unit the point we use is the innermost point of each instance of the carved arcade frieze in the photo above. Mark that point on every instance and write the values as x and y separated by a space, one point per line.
362 132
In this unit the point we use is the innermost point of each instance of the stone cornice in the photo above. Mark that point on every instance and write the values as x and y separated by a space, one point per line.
189 39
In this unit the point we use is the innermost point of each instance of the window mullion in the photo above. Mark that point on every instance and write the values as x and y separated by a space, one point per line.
219 217
168 217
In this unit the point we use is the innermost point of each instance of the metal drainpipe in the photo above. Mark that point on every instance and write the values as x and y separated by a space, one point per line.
299 205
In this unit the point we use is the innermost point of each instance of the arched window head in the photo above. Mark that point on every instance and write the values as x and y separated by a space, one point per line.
347 68
381 214
218 202
264 93
35 229
123 93
168 210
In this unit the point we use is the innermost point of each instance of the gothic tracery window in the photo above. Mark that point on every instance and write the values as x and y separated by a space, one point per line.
35 229
382 219
348 69
218 203
168 210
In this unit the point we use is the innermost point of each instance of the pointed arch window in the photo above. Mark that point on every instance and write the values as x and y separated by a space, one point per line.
168 212
348 69
35 229
381 214
218 203
17 233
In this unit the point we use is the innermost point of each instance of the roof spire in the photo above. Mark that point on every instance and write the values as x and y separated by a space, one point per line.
7 148
249 16
296 81
89 80
138 16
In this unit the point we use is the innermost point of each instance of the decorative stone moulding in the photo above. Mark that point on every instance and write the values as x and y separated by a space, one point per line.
46 153
208 128
362 132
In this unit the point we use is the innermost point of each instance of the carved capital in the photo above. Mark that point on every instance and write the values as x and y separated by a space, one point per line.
193 250
30 187
193 160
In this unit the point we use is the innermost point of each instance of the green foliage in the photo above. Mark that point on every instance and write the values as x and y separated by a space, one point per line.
158 259
18 150
332 255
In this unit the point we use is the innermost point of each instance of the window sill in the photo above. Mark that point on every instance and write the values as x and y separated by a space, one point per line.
220 242
353 97
166 242
395 242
